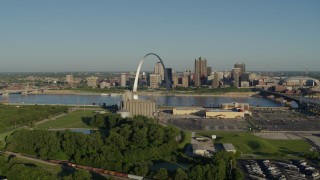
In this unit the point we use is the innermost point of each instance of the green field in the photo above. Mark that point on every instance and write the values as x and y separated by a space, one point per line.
249 144
71 120
54 169
186 140
17 116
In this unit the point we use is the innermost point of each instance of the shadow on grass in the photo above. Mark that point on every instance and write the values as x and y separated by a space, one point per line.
254 145
218 146
86 120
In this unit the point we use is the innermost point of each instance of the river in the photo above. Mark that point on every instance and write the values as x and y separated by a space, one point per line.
74 99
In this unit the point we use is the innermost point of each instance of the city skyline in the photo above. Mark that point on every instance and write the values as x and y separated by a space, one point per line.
69 36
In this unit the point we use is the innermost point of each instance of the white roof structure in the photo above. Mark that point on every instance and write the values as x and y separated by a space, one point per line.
229 147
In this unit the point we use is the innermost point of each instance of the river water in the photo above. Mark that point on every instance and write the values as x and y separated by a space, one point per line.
74 99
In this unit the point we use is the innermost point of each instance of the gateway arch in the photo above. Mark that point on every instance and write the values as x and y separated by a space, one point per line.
135 86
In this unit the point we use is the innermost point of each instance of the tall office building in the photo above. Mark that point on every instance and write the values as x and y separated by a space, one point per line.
92 81
185 81
158 69
200 67
169 73
236 75
69 78
209 71
200 71
197 80
123 80
176 80
216 79
154 80
242 66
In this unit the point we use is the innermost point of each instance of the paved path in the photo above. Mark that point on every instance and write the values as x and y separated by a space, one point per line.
29 158
49 119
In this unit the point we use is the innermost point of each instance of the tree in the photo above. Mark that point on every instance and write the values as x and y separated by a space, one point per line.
141 170
237 174
82 174
161 174
197 173
180 174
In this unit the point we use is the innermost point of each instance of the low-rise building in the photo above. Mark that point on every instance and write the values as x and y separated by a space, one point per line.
186 111
92 81
229 147
104 85
198 149
239 106
224 114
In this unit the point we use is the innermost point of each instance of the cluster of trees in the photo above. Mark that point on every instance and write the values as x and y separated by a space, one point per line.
126 145
15 169
24 115
223 166
313 155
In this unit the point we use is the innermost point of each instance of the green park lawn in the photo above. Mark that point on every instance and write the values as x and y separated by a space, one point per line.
70 120
248 143
186 139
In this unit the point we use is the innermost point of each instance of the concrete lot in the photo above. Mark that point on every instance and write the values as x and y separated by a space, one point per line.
265 119
284 120
203 145
209 124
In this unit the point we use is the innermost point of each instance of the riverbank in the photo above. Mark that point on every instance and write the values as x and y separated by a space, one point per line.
158 93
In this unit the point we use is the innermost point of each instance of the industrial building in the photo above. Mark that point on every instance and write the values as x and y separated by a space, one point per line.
199 149
227 111
238 106
137 107
186 111
224 114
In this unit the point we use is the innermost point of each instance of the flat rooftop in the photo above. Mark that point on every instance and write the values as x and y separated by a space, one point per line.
220 110
228 147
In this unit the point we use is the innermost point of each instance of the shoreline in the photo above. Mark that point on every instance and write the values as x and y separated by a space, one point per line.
228 94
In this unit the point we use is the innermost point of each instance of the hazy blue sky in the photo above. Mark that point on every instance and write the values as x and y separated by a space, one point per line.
101 35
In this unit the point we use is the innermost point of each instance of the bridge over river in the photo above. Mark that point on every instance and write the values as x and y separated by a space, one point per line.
303 103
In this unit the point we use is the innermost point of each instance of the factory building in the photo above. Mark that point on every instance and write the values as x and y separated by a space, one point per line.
186 111
238 106
224 114
138 107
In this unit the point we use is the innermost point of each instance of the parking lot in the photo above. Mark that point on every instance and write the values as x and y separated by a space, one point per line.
210 124
285 120
271 169
264 119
